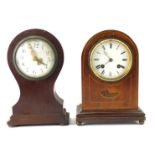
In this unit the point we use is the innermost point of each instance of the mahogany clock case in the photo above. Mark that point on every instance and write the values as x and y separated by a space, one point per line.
109 102
38 103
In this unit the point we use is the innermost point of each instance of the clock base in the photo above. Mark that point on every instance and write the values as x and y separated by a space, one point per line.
109 117
40 119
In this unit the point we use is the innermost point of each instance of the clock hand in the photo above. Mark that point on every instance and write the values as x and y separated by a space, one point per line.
106 54
39 61
35 57
110 60
103 65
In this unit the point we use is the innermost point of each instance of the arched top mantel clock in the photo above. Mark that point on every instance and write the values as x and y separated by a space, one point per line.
109 80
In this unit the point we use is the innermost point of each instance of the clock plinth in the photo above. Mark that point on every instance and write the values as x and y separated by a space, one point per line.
35 58
109 80
39 110
39 119
107 117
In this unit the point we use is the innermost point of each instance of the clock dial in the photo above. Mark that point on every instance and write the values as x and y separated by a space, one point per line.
34 58
110 59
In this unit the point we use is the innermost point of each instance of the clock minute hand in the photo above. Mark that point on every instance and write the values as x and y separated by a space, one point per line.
33 52
35 57
106 54
110 60
39 61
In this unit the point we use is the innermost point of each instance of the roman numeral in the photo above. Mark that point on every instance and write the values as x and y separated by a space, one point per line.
47 52
103 47
120 66
110 74
98 52
123 52
36 44
103 72
96 59
23 50
110 45
34 73
98 66
117 47
23 64
124 59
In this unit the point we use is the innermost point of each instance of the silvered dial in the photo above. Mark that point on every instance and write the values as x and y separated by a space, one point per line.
110 59
34 58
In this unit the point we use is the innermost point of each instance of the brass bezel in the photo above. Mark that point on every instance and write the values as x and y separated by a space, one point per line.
128 68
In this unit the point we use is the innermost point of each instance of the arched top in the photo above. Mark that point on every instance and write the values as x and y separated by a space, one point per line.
103 35
107 34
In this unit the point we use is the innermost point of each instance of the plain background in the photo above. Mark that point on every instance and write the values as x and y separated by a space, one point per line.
73 23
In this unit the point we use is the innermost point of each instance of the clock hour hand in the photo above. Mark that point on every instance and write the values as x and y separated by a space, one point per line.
39 61
110 60
35 57
103 65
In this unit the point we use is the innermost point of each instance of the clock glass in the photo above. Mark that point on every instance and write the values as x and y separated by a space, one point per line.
34 58
110 59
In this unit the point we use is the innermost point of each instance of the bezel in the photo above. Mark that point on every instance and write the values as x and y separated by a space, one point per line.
39 38
92 50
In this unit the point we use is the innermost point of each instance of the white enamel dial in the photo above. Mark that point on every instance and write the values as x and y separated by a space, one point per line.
34 58
110 59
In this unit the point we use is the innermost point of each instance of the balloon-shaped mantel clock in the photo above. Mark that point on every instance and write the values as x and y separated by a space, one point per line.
35 58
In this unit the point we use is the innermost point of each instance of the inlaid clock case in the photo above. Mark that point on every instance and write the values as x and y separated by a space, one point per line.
38 103
109 102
